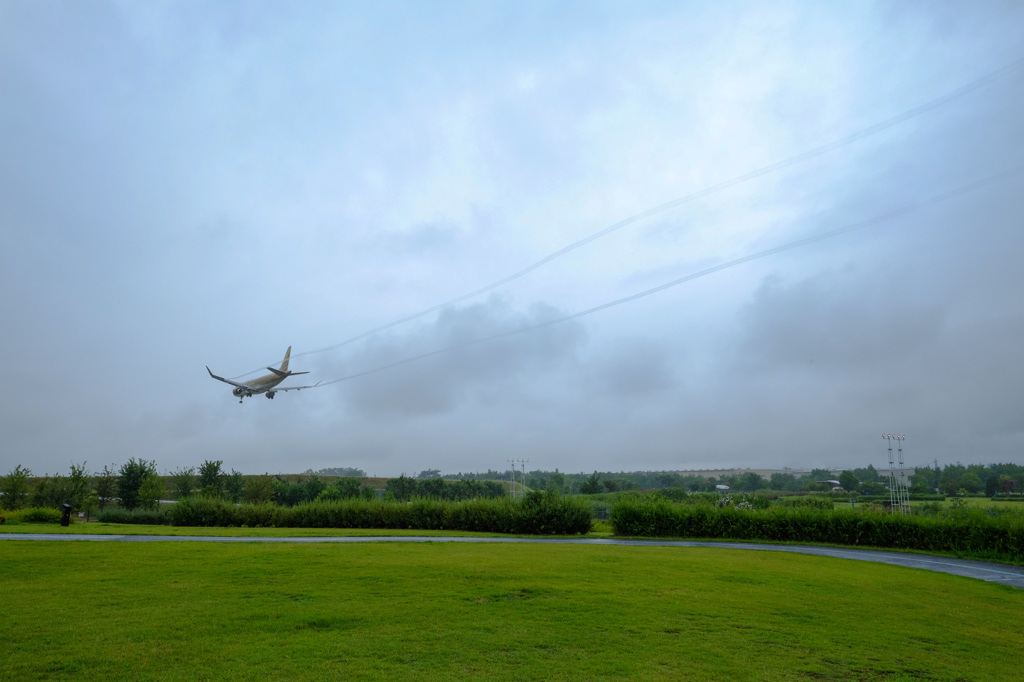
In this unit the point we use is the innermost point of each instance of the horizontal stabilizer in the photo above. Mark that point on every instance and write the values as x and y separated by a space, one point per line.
285 375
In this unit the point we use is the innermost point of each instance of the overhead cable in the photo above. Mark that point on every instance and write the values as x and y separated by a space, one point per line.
890 215
712 189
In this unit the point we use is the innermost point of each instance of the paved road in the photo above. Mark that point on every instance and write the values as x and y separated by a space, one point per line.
982 570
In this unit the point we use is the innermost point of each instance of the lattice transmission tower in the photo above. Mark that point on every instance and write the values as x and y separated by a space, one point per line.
899 497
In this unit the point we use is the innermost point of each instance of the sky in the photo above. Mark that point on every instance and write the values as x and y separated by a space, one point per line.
192 184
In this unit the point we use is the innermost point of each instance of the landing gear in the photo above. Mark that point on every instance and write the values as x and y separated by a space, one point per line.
270 394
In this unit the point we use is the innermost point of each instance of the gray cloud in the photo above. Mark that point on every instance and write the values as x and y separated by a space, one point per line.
839 321
183 185
636 367
484 372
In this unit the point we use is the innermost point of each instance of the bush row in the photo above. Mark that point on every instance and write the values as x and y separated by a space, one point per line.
118 515
535 514
1007 498
976 534
34 515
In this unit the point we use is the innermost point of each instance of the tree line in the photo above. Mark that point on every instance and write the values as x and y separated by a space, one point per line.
136 484
990 479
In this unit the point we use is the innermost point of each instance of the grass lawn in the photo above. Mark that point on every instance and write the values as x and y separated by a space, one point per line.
440 611
96 528
601 529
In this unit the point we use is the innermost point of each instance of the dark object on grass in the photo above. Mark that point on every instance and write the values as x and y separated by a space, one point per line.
65 516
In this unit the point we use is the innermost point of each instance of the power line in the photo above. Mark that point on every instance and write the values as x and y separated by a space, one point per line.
712 189
890 215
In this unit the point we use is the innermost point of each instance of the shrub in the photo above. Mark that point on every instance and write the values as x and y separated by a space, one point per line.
913 498
138 516
675 494
807 501
538 513
36 515
971 532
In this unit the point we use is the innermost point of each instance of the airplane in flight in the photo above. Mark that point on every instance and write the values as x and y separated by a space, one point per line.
266 383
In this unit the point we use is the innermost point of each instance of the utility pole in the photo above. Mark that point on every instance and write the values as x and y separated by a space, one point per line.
522 465
512 488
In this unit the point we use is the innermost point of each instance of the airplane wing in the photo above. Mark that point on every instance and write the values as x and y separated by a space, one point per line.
228 381
294 388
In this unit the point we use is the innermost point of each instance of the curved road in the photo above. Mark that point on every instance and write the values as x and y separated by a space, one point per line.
982 570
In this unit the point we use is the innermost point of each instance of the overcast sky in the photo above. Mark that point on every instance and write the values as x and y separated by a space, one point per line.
196 183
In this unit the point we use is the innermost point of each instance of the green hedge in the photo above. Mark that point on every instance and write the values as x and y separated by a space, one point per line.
808 502
977 535
536 514
35 515
1006 498
118 515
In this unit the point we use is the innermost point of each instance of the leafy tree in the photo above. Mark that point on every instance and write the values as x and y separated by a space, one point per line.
132 474
875 488
667 480
849 481
234 485
949 481
698 484
313 487
60 490
783 482
77 487
750 481
291 494
429 473
106 487
43 494
89 504
259 489
211 478
150 491
183 481
342 489
592 485
868 475
403 488
556 482
971 482
347 472
14 486
433 488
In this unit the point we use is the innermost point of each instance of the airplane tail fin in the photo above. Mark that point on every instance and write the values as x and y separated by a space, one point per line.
287 354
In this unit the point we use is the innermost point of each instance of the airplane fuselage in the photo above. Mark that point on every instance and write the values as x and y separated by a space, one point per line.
260 385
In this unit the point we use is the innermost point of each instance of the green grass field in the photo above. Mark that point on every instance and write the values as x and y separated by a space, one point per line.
96 528
440 611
